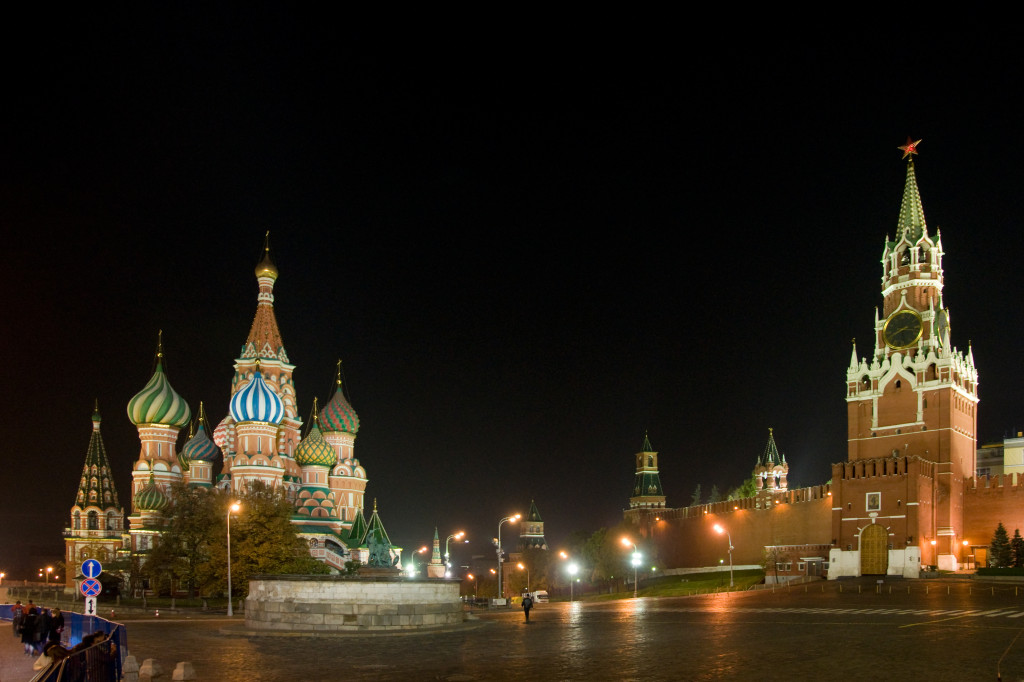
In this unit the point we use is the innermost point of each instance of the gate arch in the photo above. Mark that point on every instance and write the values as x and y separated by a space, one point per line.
874 550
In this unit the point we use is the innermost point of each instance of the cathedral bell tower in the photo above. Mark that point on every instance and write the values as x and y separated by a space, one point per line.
915 395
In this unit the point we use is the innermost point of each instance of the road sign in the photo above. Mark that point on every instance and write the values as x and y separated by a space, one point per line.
91 587
91 568
90 606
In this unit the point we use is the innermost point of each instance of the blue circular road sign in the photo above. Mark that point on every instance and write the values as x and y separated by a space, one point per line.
91 587
91 568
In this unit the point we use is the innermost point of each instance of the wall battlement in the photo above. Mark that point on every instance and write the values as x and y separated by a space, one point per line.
883 466
995 485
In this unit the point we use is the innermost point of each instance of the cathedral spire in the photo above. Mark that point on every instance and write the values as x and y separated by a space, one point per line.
264 340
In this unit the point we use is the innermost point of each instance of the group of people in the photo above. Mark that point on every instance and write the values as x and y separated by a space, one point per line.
36 626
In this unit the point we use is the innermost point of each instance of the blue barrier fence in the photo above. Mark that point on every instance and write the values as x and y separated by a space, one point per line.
77 626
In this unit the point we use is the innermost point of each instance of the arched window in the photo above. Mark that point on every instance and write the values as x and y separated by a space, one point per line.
94 521
650 460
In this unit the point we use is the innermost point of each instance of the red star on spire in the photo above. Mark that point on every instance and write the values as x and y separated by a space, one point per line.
910 148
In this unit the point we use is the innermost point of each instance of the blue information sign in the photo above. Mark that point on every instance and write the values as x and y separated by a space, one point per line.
91 568
91 587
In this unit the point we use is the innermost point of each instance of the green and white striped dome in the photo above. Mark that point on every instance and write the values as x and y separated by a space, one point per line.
158 403
151 497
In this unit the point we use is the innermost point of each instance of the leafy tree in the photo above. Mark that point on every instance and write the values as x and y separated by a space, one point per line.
1017 549
770 559
714 495
696 496
1000 555
746 489
263 541
184 548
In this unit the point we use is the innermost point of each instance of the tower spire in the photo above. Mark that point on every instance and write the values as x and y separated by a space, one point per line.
911 223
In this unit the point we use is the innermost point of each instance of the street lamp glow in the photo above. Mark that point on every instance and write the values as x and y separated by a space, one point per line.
524 568
447 556
572 568
720 531
635 561
235 506
509 519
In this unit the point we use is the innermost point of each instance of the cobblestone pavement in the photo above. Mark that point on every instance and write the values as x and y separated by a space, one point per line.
749 636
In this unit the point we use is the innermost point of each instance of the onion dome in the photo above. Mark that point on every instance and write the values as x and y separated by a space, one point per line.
338 414
200 448
158 403
314 450
151 497
266 267
257 402
222 434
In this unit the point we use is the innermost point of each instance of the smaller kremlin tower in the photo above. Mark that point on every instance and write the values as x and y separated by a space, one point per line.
771 469
647 490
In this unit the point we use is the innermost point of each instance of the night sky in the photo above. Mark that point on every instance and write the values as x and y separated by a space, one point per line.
525 258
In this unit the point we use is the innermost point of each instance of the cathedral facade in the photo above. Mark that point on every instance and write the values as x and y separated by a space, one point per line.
259 439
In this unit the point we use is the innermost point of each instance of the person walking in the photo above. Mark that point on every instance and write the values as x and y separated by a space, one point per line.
42 630
17 613
527 605
28 631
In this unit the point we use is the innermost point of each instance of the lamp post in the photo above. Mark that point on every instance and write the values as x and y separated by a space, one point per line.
234 507
572 568
447 562
501 586
412 561
720 531
524 568
635 561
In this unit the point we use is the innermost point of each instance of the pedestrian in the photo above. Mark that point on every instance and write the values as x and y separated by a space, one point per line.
28 631
527 605
17 613
56 627
42 630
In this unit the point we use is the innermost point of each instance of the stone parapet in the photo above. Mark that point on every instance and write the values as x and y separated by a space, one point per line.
351 604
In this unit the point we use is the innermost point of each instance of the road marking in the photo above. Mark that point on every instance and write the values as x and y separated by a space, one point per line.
1016 615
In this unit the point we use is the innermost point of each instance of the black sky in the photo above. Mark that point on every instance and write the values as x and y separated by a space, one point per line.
525 258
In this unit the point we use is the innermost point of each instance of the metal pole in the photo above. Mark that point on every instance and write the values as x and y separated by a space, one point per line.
731 583
230 612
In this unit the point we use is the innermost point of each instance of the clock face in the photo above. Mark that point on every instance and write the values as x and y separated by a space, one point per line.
941 326
902 329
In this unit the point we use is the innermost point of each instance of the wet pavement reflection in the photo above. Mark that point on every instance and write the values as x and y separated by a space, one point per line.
748 636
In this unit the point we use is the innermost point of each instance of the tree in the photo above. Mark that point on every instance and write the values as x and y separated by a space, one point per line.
263 541
746 489
184 548
696 497
1017 549
770 559
1000 555
714 495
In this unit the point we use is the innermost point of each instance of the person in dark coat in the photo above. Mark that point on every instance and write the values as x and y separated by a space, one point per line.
527 605
42 630
17 613
56 627
28 630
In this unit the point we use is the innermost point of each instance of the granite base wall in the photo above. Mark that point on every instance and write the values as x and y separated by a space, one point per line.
351 604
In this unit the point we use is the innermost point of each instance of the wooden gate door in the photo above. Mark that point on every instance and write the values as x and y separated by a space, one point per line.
874 550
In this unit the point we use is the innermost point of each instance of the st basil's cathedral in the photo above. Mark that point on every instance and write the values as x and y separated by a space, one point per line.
258 440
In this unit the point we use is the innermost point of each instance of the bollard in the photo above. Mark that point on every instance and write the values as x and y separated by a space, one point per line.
111 614
150 670
130 669
184 671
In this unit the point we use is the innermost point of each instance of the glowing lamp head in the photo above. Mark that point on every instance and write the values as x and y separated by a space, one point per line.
563 555
572 568
627 542
235 506
520 566
719 529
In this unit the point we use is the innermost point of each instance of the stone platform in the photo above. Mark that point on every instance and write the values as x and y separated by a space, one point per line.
324 604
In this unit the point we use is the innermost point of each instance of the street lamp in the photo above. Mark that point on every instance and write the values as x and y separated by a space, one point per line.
447 562
635 561
512 519
412 562
720 531
235 506
524 568
572 568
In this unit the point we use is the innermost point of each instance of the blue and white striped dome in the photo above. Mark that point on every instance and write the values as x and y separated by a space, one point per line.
257 402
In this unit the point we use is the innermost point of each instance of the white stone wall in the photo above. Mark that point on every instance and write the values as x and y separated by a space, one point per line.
333 603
